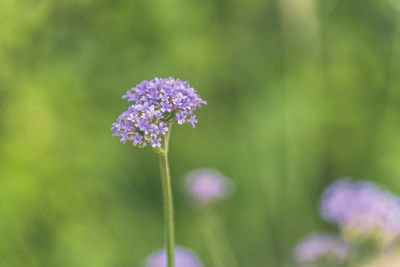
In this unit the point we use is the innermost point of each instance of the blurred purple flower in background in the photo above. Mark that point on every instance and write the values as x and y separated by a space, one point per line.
155 103
183 258
207 185
362 208
319 247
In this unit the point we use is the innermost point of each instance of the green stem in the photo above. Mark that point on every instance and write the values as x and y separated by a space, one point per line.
213 244
217 241
168 205
225 244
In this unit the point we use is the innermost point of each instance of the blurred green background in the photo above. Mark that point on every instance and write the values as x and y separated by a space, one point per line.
299 92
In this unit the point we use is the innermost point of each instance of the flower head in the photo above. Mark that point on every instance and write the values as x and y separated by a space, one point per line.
183 258
362 209
205 185
155 103
322 247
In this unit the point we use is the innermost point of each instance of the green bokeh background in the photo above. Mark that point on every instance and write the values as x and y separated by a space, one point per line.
299 92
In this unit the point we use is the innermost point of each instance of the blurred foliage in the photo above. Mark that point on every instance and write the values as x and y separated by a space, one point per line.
299 92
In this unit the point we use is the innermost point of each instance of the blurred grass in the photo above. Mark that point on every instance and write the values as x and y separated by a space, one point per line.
299 93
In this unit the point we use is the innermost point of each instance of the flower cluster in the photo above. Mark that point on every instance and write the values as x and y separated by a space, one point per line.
156 103
183 258
320 247
363 208
206 186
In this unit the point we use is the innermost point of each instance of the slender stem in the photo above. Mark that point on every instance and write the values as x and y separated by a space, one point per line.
168 205
213 244
225 244
217 240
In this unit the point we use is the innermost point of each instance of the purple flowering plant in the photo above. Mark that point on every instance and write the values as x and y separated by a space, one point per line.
154 106
362 210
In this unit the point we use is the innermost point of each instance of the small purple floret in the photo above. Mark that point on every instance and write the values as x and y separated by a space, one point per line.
193 120
156 103
181 118
156 142
162 128
137 139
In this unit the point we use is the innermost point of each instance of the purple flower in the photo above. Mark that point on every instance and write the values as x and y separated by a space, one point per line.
116 128
181 118
124 137
156 142
137 139
165 106
162 128
363 209
206 186
155 104
155 130
322 247
144 126
154 94
183 258
193 120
